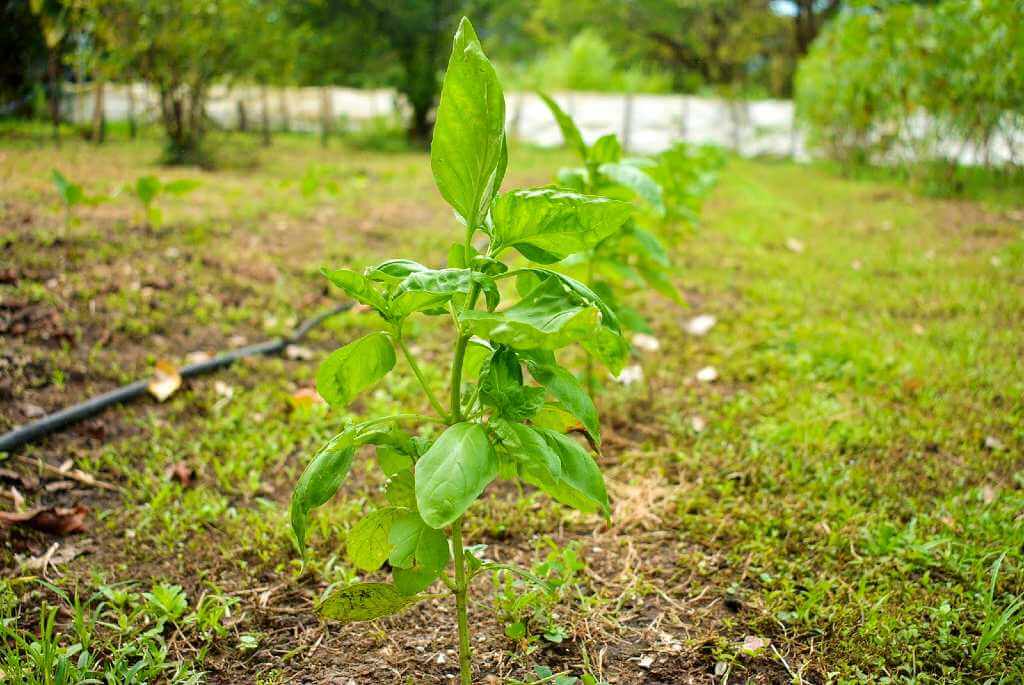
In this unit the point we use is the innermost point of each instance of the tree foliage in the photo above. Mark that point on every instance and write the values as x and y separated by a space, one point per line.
912 83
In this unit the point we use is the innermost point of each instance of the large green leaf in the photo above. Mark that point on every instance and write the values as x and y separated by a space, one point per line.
604 150
357 287
468 154
453 473
393 271
565 388
581 484
147 188
428 289
555 222
364 602
549 317
570 133
70 193
367 545
401 489
321 479
530 451
501 387
636 180
418 548
353 368
604 341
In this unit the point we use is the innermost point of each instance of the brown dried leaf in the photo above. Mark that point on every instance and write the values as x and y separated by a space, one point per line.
51 520
181 472
166 380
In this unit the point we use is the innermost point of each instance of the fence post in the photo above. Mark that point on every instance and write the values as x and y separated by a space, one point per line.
627 121
243 119
99 119
325 115
683 118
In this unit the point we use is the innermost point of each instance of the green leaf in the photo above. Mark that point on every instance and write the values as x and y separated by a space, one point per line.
530 450
401 489
556 418
453 473
581 485
636 180
364 602
147 188
353 368
367 545
549 317
564 387
646 243
321 479
181 186
392 460
575 179
357 287
604 341
70 193
415 545
468 155
555 222
427 290
501 387
605 149
570 133
394 271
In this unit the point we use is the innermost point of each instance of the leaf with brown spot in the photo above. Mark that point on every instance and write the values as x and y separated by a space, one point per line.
51 520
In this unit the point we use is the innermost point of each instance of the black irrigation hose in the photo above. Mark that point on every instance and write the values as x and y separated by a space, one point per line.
65 417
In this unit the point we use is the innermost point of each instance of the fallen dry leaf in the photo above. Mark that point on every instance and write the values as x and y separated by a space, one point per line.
306 397
181 472
52 520
752 644
166 380
298 353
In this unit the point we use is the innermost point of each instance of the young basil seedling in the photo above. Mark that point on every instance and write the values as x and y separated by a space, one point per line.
509 403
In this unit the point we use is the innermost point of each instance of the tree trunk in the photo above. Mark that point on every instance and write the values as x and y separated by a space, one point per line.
131 111
99 121
53 69
243 119
420 127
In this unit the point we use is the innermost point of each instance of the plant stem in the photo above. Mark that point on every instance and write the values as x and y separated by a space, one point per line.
419 376
461 585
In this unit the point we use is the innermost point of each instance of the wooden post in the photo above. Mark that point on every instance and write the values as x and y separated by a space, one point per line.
132 126
325 115
99 120
265 115
286 123
627 120
243 119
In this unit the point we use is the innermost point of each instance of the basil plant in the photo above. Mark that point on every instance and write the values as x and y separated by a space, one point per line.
511 410
669 188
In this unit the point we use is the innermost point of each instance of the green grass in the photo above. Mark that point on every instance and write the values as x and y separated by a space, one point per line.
855 497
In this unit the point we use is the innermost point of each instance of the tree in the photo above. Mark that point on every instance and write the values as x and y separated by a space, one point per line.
180 48
52 15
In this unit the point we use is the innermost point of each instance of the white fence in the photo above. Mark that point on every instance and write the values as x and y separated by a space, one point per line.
645 123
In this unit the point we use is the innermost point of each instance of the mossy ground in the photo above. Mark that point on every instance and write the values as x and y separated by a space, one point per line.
850 511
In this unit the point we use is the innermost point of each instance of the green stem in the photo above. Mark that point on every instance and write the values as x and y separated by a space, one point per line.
461 585
419 376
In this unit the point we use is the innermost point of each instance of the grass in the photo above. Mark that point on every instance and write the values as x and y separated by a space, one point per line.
850 511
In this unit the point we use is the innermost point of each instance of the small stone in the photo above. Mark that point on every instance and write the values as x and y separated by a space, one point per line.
707 375
698 424
993 443
700 325
647 343
794 245
298 353
752 644
32 411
